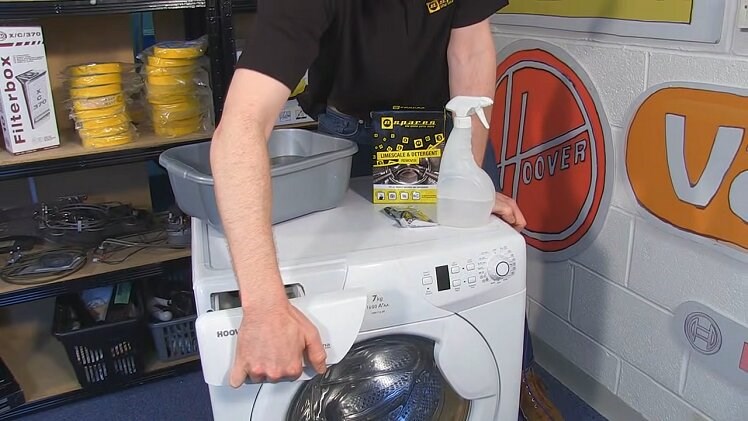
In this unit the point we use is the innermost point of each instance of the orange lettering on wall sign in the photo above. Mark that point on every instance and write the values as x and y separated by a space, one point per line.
687 161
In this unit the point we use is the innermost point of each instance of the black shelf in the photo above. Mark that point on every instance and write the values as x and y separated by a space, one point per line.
76 395
33 9
54 289
244 5
87 161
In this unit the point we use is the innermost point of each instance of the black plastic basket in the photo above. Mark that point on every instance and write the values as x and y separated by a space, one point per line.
12 400
11 395
175 339
105 354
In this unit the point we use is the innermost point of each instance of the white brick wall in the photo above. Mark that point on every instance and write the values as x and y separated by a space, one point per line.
623 322
608 310
609 256
550 284
599 363
622 198
683 270
651 399
714 396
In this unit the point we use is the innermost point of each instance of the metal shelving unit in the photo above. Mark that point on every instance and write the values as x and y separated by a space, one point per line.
35 9
200 17
18 167
15 296
244 5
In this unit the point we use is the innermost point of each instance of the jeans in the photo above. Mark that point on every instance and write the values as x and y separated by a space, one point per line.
338 124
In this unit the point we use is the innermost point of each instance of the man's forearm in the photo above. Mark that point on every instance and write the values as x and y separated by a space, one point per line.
241 171
472 72
242 185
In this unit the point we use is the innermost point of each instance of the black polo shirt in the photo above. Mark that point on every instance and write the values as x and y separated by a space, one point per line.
362 55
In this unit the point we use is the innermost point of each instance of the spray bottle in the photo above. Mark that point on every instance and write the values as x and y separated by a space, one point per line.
465 193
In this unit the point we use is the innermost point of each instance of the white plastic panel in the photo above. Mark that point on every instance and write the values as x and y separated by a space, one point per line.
217 331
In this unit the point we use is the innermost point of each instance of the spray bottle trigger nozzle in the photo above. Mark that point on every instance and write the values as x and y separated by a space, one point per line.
482 117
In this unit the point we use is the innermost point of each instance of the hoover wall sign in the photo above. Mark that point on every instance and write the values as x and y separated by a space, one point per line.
552 144
687 163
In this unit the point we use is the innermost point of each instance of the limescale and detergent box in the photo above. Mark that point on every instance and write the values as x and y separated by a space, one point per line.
408 145
27 114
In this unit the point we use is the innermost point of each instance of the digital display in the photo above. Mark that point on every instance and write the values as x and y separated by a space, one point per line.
442 278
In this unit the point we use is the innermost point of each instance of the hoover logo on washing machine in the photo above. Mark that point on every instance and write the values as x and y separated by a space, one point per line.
227 333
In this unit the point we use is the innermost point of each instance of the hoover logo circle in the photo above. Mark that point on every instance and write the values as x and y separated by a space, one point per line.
552 147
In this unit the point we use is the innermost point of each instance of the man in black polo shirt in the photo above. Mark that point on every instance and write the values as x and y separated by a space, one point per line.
362 56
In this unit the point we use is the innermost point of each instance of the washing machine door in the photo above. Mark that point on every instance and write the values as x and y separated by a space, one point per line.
429 371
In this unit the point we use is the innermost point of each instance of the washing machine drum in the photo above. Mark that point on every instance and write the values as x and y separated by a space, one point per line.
391 378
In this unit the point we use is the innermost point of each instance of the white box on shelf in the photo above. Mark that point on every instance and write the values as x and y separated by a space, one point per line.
27 113
291 113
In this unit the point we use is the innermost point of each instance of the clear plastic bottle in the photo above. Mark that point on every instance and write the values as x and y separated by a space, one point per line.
465 193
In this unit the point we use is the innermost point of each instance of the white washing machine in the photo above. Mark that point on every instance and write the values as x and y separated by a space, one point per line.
419 323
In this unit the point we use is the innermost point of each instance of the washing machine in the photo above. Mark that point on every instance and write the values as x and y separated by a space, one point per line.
418 323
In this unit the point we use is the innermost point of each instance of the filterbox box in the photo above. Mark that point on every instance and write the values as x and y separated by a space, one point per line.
27 113
408 144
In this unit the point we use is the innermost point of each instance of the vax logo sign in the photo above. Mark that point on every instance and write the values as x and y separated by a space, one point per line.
552 146
687 161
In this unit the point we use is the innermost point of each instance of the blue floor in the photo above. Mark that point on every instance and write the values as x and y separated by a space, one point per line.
186 398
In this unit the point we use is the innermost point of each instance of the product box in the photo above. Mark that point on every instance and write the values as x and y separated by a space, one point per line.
292 113
408 145
27 113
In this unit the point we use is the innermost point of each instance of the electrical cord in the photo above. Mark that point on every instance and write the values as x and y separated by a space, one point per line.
80 216
30 269
53 264
142 242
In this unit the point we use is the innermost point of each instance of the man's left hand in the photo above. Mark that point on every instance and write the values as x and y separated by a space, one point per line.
506 208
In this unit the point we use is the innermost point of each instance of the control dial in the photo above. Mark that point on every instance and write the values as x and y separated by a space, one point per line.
502 266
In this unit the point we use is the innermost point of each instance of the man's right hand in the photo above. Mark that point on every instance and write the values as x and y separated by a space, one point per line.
271 344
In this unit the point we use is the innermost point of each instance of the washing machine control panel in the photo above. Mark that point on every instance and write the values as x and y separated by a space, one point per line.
487 268
481 272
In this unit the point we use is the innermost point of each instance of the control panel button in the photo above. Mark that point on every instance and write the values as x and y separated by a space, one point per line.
455 269
427 280
502 268
472 280
470 266
456 283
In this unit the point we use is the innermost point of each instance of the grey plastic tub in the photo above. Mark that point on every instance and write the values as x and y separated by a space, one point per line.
310 172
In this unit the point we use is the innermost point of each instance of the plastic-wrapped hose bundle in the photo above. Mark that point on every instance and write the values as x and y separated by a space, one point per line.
99 101
177 88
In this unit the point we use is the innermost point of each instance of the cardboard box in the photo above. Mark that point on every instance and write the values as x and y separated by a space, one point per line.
27 112
292 113
408 145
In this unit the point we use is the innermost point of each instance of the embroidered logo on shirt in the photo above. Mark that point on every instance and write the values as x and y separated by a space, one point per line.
434 6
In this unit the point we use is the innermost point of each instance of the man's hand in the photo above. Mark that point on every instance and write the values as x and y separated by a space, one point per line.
506 208
270 344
